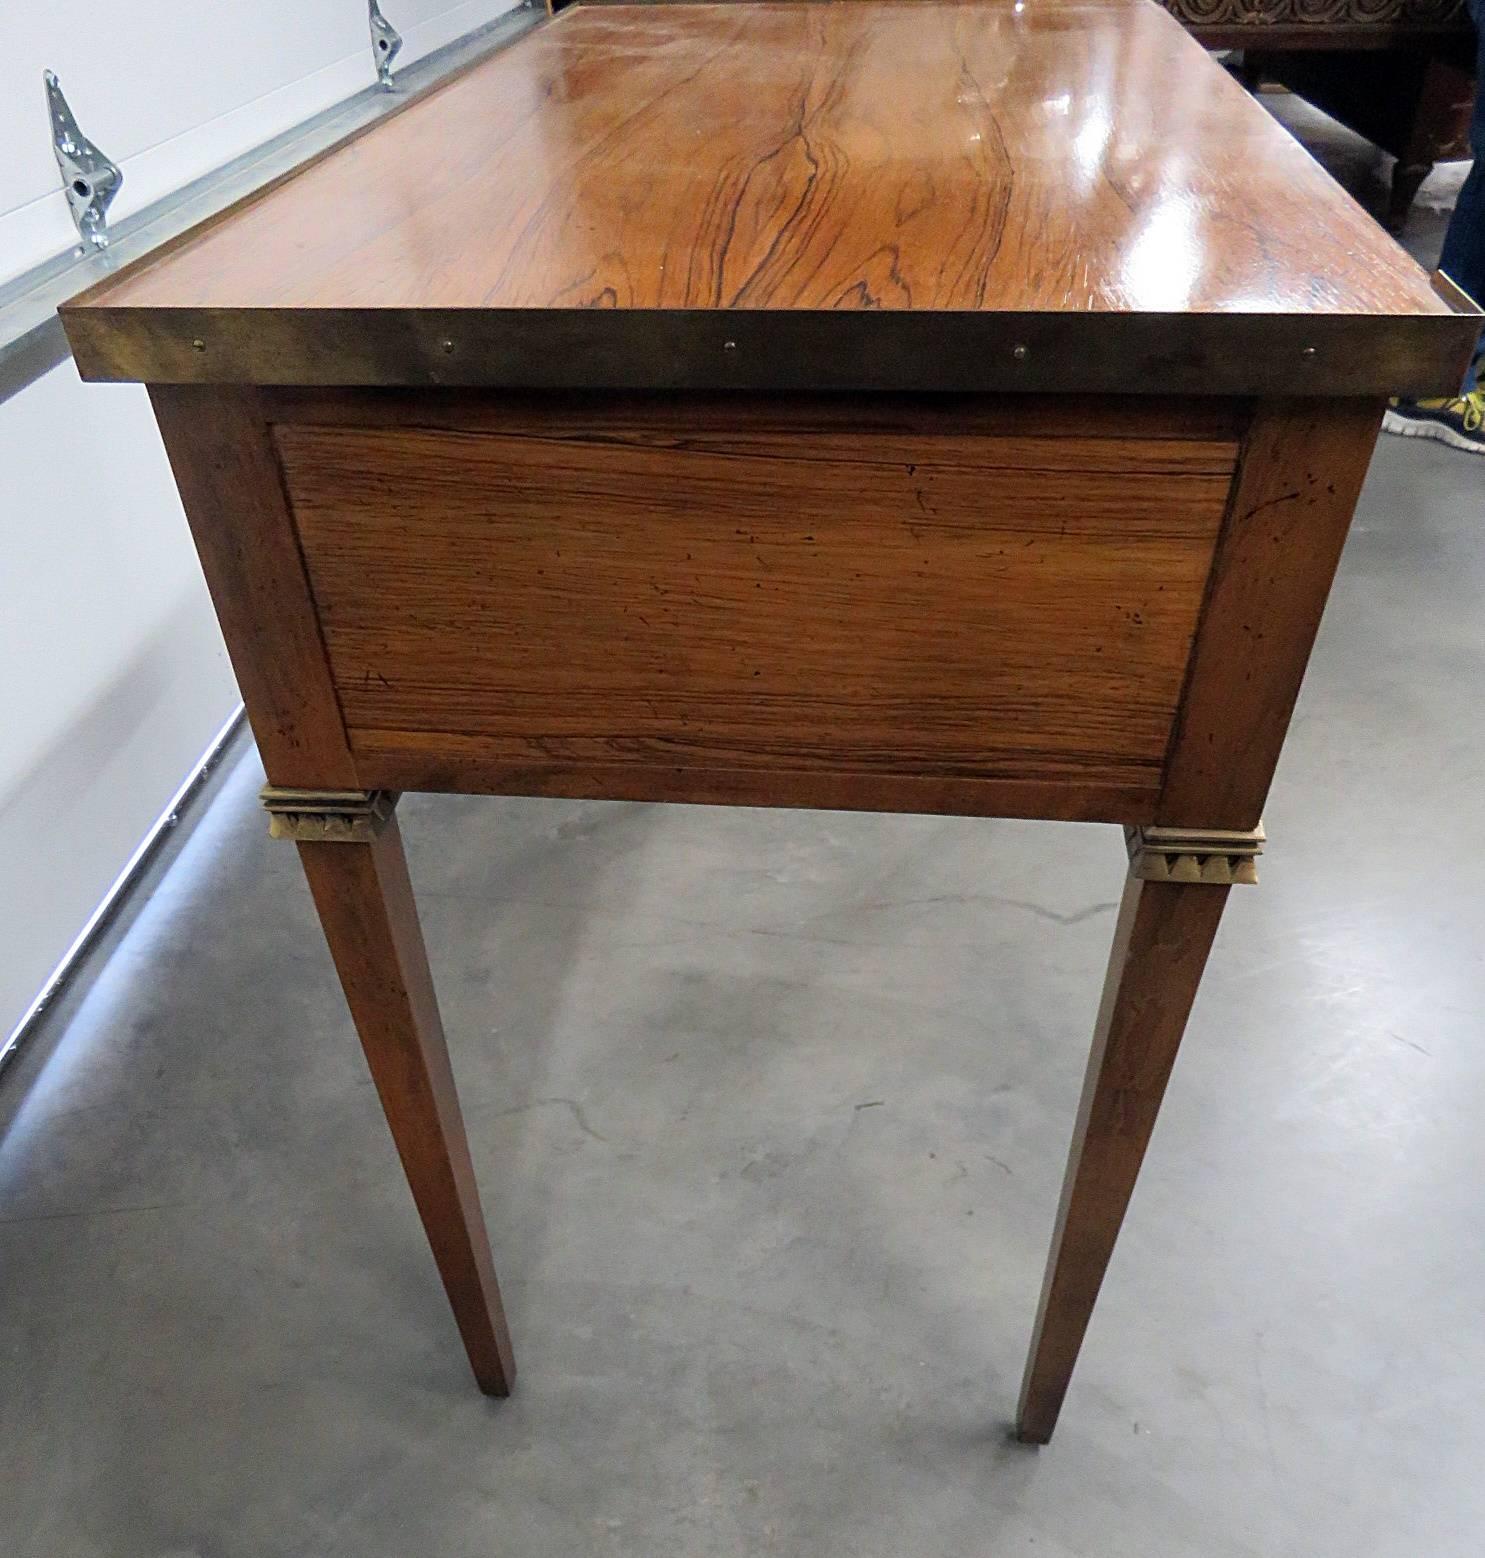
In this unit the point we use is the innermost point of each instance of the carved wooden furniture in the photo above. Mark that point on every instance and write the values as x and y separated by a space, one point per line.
1399 72
1321 24
1415 104
940 407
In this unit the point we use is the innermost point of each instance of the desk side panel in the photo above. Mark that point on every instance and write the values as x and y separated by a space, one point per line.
921 607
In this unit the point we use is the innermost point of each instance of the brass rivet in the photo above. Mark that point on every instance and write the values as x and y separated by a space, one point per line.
1309 351
448 346
198 344
1019 353
729 346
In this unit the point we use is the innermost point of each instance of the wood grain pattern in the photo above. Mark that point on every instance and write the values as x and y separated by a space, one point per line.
1300 474
1164 933
734 590
937 156
218 444
1078 173
366 908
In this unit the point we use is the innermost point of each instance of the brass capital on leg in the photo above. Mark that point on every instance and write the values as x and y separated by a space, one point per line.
1219 857
327 816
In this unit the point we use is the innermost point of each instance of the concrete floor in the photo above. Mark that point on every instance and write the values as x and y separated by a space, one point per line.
770 1111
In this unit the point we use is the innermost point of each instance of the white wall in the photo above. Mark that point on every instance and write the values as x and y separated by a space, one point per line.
115 679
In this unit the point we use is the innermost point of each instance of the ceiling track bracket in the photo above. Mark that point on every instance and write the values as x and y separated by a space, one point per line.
385 42
89 178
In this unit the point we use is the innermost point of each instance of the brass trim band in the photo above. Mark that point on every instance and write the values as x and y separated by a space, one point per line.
327 816
1217 857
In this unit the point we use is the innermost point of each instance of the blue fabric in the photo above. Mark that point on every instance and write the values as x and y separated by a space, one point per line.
1477 129
1464 244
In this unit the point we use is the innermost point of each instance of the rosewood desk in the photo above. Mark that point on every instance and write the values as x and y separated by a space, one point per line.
913 407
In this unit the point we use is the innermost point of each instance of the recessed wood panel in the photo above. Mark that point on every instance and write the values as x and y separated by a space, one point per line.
716 593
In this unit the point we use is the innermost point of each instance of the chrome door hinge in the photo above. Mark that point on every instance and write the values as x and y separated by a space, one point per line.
385 42
90 179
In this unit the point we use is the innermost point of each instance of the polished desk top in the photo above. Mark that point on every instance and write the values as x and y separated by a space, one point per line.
884 194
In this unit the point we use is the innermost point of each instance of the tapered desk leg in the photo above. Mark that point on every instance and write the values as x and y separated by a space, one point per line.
1164 933
365 902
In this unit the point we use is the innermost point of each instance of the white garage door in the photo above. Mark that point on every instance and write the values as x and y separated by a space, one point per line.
114 678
